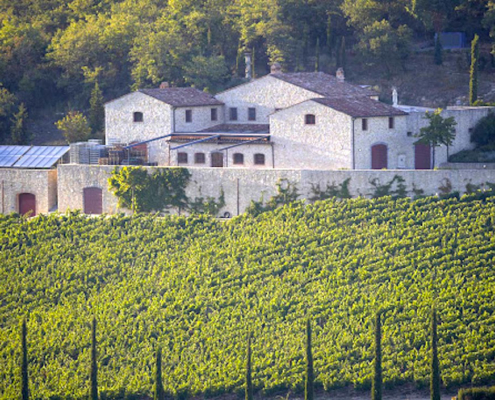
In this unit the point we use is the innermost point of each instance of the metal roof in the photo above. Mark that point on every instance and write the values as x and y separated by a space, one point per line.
10 154
41 157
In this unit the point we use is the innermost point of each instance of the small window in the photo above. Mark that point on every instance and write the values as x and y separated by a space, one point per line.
188 115
409 134
199 158
259 159
138 116
238 158
252 114
364 124
391 123
310 119
182 158
233 113
214 114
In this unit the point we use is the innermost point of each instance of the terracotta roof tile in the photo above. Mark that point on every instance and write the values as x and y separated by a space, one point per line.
182 97
361 107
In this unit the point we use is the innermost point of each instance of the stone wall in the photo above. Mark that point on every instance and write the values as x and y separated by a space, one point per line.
241 186
41 183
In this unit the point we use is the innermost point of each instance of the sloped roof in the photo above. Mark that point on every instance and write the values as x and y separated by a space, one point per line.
182 97
239 128
360 107
324 84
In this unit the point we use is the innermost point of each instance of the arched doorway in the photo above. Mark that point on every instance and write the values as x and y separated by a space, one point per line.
27 204
422 156
379 159
93 200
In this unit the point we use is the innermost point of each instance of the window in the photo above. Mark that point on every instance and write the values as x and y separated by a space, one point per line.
138 116
252 114
364 124
391 123
199 158
259 159
409 134
214 114
309 119
182 158
188 115
233 113
238 158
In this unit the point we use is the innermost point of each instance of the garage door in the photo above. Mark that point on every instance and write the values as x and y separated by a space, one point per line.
379 156
422 156
27 204
93 203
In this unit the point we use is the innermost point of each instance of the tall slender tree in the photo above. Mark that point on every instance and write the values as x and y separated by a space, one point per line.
310 376
473 72
159 393
24 366
249 381
376 387
94 366
435 366
317 55
97 110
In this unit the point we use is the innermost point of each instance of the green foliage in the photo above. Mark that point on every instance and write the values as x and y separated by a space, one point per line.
249 370
94 363
310 375
206 73
74 126
7 107
339 191
435 366
18 132
474 70
24 364
96 111
376 387
438 56
487 393
484 131
194 285
395 188
139 191
159 392
287 193
208 205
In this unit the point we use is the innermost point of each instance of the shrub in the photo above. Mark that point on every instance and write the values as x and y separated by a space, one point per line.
484 131
487 393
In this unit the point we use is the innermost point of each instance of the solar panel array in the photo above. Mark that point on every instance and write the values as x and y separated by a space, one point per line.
31 156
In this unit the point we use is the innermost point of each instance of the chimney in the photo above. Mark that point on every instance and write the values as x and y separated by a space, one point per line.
249 67
164 85
340 75
395 97
276 68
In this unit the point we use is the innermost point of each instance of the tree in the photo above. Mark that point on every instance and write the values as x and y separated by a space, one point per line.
473 72
317 55
96 110
484 131
94 365
18 133
440 131
159 392
376 387
435 366
7 106
74 127
438 50
310 377
249 381
24 366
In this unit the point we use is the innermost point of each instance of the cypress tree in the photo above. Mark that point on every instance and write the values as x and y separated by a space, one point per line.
249 381
329 35
97 110
94 366
473 72
376 387
159 392
317 55
438 50
24 366
310 377
435 366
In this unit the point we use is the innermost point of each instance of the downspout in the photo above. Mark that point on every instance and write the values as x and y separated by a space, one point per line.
273 155
173 131
353 156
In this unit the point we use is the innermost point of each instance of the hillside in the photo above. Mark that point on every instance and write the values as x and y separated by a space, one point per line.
194 286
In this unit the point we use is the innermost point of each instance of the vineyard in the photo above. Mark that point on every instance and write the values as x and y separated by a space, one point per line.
195 286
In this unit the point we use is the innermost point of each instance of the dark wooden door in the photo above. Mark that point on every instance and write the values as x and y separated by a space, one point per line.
27 204
217 160
422 156
379 156
93 203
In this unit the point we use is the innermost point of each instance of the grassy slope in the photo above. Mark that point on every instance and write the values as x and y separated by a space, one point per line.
195 286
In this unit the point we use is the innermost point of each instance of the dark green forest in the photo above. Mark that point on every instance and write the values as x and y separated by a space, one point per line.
55 51
195 286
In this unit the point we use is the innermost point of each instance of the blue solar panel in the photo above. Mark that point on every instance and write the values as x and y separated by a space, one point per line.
41 157
10 154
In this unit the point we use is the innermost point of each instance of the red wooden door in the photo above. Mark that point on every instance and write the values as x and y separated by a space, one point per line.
422 156
27 204
93 203
217 160
379 156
